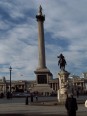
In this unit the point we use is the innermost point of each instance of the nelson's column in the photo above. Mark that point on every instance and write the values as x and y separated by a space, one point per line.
43 74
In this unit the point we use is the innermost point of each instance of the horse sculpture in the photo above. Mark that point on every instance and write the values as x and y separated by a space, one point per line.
62 62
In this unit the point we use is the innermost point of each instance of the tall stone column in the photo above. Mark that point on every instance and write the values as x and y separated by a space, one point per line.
43 74
41 46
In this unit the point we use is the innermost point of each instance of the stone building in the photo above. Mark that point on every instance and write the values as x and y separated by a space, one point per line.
79 84
76 82
25 85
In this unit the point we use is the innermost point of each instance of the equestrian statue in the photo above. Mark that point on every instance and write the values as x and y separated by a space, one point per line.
61 62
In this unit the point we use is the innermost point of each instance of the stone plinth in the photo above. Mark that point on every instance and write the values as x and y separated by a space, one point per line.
42 81
45 89
63 85
43 76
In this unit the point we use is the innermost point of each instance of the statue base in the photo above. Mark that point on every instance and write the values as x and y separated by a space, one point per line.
63 86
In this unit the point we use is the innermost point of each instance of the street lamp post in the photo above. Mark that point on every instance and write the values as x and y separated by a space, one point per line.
10 78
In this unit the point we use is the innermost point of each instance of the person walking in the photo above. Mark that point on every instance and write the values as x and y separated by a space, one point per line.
31 97
71 105
26 100
36 98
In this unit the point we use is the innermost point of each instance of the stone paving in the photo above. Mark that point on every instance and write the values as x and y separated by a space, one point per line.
20 108
14 108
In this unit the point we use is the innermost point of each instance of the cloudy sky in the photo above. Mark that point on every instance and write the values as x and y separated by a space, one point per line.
65 31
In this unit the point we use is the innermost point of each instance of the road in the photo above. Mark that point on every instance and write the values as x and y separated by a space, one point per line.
22 100
40 99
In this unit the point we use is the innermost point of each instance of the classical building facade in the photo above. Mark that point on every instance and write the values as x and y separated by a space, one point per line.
79 84
25 85
76 83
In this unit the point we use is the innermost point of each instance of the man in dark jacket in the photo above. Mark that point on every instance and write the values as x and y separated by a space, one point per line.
71 105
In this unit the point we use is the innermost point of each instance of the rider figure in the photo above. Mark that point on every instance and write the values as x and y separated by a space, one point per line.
61 62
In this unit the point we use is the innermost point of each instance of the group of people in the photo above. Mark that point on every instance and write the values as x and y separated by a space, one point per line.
31 99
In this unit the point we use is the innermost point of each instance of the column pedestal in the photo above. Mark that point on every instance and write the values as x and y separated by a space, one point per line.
42 81
63 86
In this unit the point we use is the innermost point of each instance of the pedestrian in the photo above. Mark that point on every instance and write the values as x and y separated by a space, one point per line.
36 98
71 105
26 100
8 95
77 92
31 97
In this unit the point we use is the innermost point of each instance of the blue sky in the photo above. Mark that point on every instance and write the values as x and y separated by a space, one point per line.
65 31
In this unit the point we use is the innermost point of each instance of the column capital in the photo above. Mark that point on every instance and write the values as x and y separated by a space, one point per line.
40 16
